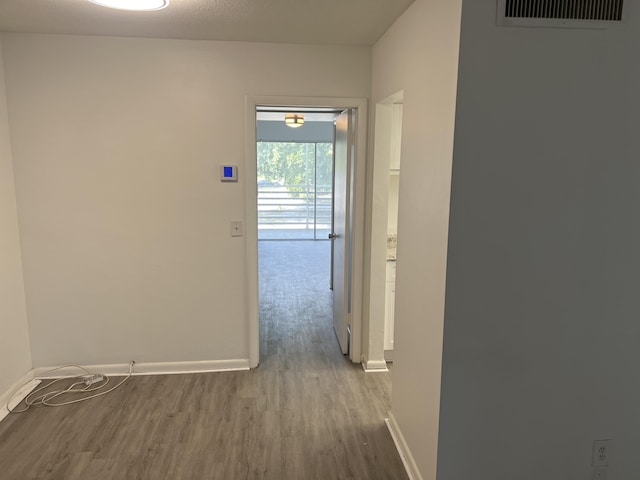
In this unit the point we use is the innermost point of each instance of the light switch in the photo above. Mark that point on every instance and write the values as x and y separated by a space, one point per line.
236 228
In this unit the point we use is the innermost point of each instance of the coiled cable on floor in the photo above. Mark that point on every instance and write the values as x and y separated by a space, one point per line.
87 383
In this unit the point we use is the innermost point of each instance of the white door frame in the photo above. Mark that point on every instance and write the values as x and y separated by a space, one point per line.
251 213
373 351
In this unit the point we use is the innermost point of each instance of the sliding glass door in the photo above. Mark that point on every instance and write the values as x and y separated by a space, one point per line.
294 190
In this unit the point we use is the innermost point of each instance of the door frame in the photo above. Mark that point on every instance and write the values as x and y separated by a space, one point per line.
384 129
251 212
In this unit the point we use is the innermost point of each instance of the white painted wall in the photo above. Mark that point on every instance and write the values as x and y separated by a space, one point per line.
542 313
15 353
125 226
272 131
418 54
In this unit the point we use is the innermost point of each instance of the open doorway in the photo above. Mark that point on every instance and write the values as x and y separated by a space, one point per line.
303 185
295 210
296 200
295 175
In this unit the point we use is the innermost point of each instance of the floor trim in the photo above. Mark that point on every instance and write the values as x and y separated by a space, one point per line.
403 449
158 368
375 366
4 397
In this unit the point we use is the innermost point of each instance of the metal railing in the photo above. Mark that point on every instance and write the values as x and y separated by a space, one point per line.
294 207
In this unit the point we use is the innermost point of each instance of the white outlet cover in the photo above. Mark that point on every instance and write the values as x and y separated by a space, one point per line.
602 453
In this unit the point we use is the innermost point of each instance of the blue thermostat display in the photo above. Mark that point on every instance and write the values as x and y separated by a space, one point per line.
228 173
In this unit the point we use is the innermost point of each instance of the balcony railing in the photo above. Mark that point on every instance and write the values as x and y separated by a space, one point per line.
295 210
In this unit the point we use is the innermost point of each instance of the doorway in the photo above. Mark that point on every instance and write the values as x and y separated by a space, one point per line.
353 258
295 176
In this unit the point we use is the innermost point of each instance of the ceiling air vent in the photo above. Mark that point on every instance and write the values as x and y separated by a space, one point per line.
561 13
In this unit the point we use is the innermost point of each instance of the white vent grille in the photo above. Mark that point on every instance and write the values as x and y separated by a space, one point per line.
561 13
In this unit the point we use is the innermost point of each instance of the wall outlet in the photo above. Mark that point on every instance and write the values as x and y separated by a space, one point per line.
602 452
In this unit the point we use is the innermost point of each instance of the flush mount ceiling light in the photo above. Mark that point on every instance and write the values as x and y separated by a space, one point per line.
294 120
140 5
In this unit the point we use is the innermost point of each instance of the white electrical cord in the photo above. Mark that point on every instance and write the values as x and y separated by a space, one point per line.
88 380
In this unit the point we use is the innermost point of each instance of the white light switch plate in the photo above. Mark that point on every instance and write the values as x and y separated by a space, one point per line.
236 228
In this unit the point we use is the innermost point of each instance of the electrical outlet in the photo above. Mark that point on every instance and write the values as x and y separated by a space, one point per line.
602 452
599 474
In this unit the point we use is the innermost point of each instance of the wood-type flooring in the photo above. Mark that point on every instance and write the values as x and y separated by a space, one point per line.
305 413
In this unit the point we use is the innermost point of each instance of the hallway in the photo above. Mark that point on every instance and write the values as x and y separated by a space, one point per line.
332 412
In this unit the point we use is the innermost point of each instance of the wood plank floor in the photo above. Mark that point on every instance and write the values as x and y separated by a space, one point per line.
306 413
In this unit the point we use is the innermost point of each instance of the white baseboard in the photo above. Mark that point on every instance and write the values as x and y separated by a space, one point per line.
403 449
4 397
374 366
158 368
118 369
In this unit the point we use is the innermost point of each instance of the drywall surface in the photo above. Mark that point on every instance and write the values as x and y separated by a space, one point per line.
310 132
541 328
419 54
15 354
125 224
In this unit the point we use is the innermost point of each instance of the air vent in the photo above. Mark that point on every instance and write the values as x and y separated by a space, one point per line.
561 13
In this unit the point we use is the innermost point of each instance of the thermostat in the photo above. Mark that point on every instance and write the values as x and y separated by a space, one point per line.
228 173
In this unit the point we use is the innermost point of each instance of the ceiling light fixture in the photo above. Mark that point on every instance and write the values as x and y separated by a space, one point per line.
140 5
294 120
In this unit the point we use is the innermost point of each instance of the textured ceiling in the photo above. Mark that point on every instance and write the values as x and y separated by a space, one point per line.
345 22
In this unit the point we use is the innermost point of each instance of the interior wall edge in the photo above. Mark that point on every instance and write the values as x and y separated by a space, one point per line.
402 446
4 396
15 343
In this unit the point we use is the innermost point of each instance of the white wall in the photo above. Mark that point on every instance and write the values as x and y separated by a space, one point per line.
419 55
542 313
125 226
277 131
15 354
